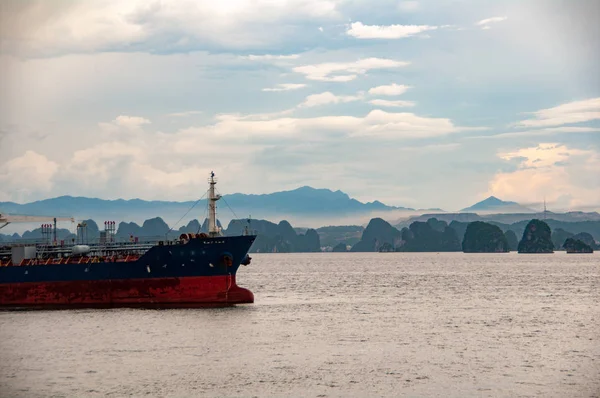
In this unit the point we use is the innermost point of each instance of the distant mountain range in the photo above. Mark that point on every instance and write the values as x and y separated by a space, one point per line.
495 205
304 207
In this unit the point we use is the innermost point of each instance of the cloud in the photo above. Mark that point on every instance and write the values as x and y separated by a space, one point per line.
383 124
543 155
27 175
38 28
569 113
346 71
540 132
360 31
285 87
328 98
485 23
376 123
389 104
565 176
271 57
130 122
131 168
131 162
392 89
141 163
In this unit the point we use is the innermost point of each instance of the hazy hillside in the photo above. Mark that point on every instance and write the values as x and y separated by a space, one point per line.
305 205
495 205
573 216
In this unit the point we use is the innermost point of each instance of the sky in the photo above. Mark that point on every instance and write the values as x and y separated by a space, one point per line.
424 104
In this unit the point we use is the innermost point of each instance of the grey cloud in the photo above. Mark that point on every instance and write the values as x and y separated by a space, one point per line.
38 28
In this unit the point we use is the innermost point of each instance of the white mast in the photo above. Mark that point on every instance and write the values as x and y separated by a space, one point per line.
213 230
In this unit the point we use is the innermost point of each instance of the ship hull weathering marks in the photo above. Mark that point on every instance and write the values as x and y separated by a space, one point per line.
197 270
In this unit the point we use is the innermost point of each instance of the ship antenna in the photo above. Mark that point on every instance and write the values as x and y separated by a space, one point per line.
213 230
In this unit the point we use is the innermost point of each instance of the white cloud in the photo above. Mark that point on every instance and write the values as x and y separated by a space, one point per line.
131 168
285 87
377 123
391 89
156 165
391 104
544 155
346 71
130 122
485 23
27 175
271 57
562 175
360 31
383 124
540 132
572 112
328 98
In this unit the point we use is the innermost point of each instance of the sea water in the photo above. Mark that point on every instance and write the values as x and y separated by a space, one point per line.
334 325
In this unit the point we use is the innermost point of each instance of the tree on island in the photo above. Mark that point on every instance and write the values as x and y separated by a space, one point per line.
576 246
537 238
482 237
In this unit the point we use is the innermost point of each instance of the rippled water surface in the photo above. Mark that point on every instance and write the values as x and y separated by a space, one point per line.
334 325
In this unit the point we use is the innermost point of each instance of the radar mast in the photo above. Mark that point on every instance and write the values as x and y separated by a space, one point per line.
213 229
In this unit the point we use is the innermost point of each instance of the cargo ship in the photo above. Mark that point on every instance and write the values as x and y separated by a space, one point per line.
196 270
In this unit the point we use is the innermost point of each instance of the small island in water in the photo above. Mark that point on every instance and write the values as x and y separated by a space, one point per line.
537 238
481 237
576 246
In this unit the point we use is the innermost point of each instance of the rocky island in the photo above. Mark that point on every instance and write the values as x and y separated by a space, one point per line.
577 246
482 237
431 236
537 238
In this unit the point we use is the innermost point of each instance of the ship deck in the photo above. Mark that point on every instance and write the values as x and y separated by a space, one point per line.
64 254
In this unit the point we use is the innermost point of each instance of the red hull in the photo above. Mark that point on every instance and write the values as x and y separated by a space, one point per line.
188 292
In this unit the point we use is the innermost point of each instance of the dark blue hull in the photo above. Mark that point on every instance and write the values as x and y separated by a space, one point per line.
199 257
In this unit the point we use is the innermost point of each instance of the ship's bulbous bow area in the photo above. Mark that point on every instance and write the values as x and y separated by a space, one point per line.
239 295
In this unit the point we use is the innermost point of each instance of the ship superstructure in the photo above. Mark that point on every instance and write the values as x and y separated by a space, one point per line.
192 271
